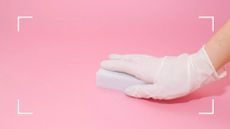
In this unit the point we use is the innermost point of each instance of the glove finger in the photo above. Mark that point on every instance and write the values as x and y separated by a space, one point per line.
121 66
146 91
130 57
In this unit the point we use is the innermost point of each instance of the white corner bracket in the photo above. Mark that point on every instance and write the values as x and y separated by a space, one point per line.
22 113
212 112
212 20
22 17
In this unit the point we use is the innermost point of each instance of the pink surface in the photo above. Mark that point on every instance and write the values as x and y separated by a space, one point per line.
50 64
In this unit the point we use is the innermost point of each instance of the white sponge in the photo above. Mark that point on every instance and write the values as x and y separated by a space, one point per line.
115 80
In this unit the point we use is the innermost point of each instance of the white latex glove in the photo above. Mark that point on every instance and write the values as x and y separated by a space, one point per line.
167 77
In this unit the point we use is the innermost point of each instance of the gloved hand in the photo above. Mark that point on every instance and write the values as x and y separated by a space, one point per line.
167 77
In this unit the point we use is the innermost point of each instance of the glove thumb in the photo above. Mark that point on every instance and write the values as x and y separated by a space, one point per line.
145 91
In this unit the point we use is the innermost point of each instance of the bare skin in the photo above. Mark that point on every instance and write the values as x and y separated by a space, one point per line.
218 47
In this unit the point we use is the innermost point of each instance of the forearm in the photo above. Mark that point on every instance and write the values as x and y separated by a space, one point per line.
218 47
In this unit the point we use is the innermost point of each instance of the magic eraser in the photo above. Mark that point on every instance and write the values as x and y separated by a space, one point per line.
115 80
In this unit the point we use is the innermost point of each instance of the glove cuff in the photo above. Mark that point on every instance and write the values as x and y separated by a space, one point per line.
216 74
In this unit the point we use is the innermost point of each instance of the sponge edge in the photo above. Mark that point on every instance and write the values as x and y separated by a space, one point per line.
115 80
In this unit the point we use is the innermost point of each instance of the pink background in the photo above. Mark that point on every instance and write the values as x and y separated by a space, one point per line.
50 64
